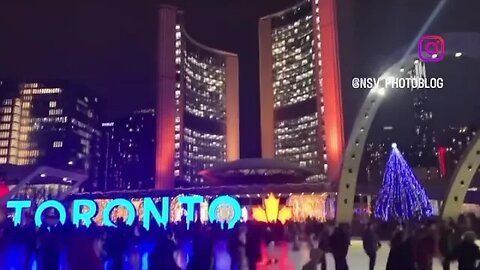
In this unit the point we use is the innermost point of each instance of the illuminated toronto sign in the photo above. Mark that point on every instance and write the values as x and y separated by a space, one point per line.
83 211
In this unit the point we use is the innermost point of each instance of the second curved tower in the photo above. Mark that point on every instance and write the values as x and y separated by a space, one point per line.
197 106
300 93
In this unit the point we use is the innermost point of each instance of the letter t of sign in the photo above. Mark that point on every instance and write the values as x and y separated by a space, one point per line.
190 201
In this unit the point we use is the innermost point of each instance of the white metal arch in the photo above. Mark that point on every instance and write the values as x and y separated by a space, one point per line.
466 43
461 179
355 147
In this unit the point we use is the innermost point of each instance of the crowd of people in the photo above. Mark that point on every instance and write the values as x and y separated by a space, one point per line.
413 246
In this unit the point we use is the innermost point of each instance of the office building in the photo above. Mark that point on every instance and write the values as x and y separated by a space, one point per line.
452 143
128 152
51 124
197 106
376 154
423 149
300 93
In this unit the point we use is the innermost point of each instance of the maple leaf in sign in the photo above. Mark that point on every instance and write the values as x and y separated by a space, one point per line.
271 211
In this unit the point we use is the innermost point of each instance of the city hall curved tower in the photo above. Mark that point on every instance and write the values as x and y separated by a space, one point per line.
300 93
197 119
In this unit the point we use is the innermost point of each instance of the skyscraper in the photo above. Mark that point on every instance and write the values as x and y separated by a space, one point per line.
376 154
128 152
197 106
301 106
52 124
8 151
424 145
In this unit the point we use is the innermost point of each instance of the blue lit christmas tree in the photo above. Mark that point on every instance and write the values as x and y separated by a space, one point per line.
401 196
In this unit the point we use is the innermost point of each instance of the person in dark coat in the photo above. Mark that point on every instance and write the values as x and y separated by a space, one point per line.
324 245
270 243
446 244
163 255
467 253
117 244
236 248
203 257
315 257
424 249
49 247
400 256
89 257
339 244
295 227
253 246
233 247
371 244
4 262
28 238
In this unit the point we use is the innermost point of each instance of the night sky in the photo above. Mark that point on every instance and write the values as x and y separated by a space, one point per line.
111 48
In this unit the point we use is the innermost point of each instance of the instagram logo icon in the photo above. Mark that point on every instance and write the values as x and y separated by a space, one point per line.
431 48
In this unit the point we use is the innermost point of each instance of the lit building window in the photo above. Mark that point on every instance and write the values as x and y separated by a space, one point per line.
43 91
6 110
6 118
55 112
8 102
3 160
57 144
52 104
293 66
5 126
200 91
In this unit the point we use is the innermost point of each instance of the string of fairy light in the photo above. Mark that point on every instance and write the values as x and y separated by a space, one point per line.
401 197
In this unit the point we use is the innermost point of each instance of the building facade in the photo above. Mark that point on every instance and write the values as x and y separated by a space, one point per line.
300 93
423 149
451 145
51 124
197 106
128 152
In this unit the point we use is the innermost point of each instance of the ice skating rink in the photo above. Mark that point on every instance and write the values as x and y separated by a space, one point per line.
357 260
287 258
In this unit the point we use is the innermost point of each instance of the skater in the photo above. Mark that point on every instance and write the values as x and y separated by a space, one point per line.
371 244
315 258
